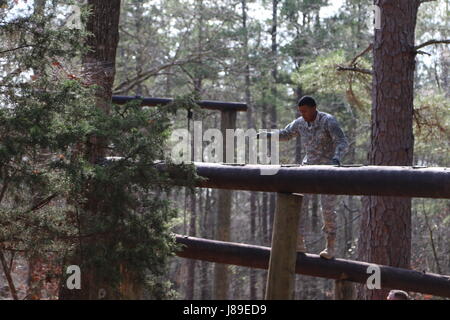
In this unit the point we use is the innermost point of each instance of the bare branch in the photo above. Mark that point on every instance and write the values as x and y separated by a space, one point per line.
430 231
43 202
423 52
354 69
122 29
431 42
18 48
352 66
187 72
14 49
131 83
361 54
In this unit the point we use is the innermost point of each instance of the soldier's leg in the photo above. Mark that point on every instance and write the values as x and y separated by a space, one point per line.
302 223
329 224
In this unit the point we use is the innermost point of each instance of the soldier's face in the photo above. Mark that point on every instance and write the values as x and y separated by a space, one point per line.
308 113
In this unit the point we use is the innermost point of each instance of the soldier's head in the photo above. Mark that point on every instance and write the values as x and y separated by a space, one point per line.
397 295
308 108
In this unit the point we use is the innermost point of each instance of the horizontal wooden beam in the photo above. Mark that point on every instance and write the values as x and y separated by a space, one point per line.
312 265
359 180
204 104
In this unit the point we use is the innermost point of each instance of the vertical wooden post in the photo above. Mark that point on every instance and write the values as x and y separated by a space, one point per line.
281 277
221 281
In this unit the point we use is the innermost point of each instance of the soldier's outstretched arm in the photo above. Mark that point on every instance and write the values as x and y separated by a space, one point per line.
289 132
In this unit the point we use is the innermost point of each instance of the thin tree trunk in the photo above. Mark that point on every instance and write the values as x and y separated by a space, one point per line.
314 213
272 206
250 125
274 72
298 142
190 283
198 84
264 213
351 156
7 273
264 208
433 246
138 15
274 93
253 279
207 225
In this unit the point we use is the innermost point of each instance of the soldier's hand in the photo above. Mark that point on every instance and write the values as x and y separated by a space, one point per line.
335 162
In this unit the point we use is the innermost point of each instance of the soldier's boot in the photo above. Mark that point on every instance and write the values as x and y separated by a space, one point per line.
329 251
301 244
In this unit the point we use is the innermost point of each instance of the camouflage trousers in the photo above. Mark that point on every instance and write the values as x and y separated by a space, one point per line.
328 203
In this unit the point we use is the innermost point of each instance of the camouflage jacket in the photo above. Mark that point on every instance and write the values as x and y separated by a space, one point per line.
323 138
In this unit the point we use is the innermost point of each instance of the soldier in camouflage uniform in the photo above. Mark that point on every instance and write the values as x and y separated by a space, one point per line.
325 144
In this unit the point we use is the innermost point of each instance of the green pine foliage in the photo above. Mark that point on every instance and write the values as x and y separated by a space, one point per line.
47 118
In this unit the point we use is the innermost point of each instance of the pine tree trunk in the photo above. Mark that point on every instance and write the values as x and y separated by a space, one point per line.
99 64
386 224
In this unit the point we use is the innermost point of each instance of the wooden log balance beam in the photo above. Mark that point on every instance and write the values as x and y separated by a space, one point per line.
345 180
204 104
312 265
